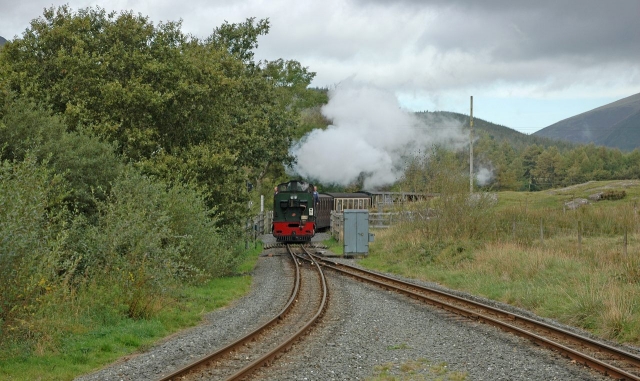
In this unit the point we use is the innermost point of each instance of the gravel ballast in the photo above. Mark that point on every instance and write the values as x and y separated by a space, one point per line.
365 332
270 291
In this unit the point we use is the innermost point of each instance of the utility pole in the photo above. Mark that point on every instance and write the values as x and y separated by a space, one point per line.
471 148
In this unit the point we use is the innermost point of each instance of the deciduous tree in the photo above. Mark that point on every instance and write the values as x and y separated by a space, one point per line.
153 90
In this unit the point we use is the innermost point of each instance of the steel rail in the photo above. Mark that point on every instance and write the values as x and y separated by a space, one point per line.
295 291
268 357
405 288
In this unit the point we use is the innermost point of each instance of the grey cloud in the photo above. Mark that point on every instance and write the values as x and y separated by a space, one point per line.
520 30
430 48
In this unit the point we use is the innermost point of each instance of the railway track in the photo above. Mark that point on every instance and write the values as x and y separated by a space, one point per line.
263 345
609 360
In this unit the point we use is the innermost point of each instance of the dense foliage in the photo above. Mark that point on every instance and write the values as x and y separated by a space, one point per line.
156 92
125 150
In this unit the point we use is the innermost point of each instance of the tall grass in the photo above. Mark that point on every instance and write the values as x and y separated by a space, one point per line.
597 288
75 332
564 264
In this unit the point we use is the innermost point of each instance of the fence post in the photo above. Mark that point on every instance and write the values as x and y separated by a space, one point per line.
580 236
625 241
513 228
246 234
541 232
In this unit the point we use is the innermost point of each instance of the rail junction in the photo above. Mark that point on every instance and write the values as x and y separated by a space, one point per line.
306 305
607 359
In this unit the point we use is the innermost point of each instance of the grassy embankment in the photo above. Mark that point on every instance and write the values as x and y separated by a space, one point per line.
575 271
100 337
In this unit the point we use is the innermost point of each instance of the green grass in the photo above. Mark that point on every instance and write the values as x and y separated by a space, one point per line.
420 369
334 246
555 198
593 285
85 348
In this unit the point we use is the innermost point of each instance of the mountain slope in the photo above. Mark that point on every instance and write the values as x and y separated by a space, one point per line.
615 125
626 134
497 132
2 40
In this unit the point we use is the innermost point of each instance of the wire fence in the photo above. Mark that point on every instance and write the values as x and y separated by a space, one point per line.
582 232
521 228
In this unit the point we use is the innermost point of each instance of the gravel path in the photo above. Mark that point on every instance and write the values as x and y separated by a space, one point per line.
364 333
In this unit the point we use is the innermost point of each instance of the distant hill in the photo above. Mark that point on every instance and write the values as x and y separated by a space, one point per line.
615 125
517 139
2 40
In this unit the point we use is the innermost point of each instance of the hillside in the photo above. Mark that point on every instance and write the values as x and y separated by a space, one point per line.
615 125
2 40
495 131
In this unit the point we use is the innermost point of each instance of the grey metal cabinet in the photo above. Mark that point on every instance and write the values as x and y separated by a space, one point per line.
356 232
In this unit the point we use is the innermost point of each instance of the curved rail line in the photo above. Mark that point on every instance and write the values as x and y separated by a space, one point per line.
267 358
295 292
253 335
611 361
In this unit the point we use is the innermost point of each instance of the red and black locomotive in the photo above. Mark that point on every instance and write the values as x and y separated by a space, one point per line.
299 212
294 211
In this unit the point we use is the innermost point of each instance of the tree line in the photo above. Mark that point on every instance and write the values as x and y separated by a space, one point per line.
536 167
513 161
125 150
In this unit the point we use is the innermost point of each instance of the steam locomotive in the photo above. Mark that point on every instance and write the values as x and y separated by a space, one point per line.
294 217
298 214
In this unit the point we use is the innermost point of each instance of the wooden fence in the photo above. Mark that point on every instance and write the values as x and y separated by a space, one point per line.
261 224
257 226
377 220
539 232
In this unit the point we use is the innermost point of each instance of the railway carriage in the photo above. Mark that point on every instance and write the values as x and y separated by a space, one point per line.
339 202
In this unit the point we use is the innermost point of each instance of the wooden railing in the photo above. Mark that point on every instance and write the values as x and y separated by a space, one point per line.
337 221
377 220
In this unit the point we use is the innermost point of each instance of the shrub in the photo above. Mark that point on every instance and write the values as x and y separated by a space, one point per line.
457 213
126 248
28 241
207 251
613 195
24 127
149 238
87 164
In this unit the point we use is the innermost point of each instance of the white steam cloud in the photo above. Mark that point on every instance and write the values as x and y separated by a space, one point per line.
484 176
370 136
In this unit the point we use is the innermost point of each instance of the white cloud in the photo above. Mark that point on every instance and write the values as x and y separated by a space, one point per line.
431 52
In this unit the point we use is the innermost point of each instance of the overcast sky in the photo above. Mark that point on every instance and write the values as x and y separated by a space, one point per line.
528 64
